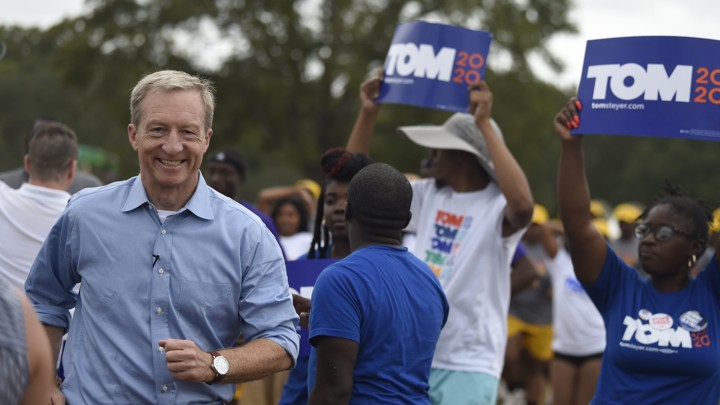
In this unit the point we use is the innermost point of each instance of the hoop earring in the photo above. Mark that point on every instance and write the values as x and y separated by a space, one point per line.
692 261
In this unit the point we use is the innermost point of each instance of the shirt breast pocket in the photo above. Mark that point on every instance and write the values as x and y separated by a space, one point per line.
205 300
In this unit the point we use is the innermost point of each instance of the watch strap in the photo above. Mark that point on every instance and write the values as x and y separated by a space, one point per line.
218 376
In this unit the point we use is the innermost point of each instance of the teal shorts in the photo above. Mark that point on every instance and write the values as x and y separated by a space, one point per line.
449 387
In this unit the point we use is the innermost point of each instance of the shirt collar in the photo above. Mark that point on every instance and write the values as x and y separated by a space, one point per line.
43 192
199 203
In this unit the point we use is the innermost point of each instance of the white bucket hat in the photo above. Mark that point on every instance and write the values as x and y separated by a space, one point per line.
459 132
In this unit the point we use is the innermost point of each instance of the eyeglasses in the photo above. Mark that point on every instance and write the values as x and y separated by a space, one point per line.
661 233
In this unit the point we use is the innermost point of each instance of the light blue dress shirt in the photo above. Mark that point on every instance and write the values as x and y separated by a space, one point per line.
207 274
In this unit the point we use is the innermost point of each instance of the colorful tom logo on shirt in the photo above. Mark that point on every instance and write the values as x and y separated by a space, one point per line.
450 231
431 65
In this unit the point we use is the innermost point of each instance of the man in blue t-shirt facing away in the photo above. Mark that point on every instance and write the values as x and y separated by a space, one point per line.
377 314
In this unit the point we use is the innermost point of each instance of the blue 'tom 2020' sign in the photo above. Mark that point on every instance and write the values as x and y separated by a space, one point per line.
431 65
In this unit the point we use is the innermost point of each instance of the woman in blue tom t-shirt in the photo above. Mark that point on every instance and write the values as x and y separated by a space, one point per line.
663 332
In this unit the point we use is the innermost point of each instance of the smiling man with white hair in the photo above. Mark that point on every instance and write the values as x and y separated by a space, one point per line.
172 271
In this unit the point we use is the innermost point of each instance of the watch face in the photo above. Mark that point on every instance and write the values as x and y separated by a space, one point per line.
221 365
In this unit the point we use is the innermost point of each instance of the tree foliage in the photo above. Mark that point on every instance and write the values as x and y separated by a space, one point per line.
287 90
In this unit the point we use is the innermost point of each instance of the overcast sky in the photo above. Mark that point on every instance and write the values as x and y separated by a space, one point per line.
594 18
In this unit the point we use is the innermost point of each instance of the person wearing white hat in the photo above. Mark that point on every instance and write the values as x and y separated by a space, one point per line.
467 221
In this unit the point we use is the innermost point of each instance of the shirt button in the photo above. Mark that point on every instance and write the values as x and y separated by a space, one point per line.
161 270
158 311
163 232
161 349
164 388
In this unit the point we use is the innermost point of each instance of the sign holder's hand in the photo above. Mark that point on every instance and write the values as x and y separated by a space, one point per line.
481 99
567 119
370 90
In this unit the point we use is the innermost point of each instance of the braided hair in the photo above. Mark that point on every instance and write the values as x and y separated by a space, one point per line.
695 210
338 165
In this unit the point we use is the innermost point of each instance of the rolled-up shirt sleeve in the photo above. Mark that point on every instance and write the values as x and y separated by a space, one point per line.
266 303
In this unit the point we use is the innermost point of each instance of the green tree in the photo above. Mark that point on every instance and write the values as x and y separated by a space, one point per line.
312 62
31 87
289 90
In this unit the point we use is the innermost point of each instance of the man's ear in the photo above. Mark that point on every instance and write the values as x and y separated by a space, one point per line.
348 212
132 136
208 135
72 169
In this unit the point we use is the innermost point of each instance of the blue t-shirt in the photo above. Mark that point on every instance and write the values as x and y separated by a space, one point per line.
662 348
392 305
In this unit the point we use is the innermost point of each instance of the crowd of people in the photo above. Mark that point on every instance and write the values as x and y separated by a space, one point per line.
452 286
